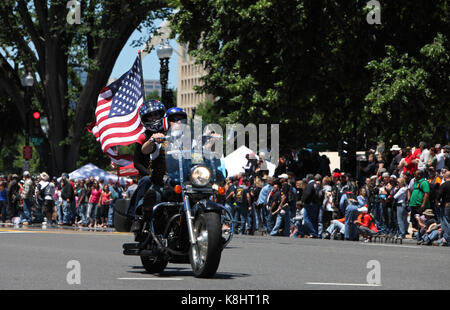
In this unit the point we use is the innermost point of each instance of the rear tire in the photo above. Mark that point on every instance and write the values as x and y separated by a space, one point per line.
205 254
153 264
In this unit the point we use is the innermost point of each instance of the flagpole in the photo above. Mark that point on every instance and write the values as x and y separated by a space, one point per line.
142 76
118 174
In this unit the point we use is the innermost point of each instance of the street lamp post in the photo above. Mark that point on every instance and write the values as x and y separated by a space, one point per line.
27 82
164 51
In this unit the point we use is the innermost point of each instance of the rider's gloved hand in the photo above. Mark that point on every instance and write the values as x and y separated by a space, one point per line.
147 134
157 137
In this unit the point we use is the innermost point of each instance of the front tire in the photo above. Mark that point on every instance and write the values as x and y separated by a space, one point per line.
153 264
205 254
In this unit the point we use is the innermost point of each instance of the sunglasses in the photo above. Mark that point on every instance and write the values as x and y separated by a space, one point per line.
152 115
176 118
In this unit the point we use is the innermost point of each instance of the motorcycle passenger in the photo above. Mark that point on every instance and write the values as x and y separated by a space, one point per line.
146 156
154 191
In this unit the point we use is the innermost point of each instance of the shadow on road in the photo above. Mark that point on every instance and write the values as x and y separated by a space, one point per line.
187 272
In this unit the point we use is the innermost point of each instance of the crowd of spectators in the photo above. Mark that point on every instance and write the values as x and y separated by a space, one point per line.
60 201
402 194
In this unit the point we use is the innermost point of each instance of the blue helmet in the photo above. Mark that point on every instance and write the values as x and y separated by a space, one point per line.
149 107
171 114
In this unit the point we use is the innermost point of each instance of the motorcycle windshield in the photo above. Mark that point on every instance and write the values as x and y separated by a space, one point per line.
183 155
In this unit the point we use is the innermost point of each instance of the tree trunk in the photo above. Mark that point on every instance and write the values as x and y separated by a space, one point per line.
107 54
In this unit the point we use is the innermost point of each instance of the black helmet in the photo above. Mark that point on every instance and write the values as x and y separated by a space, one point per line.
149 107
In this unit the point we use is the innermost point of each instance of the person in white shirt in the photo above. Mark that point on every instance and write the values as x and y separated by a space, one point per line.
424 156
45 191
402 211
440 158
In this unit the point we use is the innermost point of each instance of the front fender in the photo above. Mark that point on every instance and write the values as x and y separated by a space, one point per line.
206 206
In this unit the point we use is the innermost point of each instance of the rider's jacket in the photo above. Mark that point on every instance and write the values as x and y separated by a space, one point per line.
153 165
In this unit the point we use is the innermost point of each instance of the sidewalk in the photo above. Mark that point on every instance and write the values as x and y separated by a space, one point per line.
35 227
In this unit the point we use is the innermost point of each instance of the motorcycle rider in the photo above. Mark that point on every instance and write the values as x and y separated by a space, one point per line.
151 169
151 153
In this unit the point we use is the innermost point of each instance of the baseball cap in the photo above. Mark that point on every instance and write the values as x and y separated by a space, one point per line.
385 175
336 175
283 176
26 173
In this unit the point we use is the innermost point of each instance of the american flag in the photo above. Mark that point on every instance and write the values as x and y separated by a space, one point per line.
117 113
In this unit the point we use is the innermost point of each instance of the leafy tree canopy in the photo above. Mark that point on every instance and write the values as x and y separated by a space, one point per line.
36 37
304 64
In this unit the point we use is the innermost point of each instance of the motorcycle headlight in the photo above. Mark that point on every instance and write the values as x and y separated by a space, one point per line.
200 176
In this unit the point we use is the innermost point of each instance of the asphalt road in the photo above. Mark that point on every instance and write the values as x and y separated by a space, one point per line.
39 260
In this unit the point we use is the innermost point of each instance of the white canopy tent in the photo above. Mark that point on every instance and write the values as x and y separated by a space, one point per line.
235 162
89 170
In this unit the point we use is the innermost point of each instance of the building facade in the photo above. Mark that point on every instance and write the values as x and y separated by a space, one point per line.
149 86
152 85
189 75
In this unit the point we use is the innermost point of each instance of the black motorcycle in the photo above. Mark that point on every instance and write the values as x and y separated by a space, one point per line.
188 224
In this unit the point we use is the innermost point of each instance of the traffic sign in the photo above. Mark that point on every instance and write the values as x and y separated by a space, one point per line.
37 140
27 152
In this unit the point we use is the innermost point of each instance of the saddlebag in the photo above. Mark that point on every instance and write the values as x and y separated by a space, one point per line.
122 222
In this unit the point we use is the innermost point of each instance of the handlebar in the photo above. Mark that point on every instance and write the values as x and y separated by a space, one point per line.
165 138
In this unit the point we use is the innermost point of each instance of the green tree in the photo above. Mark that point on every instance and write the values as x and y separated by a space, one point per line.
35 36
300 63
153 95
10 132
411 93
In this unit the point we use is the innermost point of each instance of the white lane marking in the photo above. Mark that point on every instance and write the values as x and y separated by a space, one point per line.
157 279
343 284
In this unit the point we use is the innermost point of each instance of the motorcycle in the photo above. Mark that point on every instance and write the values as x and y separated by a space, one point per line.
188 224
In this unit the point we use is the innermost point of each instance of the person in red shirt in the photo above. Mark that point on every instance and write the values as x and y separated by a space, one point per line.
94 200
410 162
366 226
105 201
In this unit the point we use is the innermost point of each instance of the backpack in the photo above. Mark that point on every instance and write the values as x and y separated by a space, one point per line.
419 186
42 191
239 194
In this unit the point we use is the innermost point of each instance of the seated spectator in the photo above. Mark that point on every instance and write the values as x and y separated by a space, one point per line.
366 226
336 229
428 231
